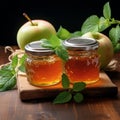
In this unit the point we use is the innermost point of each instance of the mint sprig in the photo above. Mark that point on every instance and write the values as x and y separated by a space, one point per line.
55 44
7 80
74 92
63 33
99 24
8 73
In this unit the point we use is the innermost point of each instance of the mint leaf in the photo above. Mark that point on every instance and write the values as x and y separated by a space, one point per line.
65 81
107 11
14 62
114 34
79 86
90 24
4 75
117 48
22 59
78 97
4 71
8 73
22 68
76 33
8 76
103 24
63 97
63 33
70 92
55 41
52 43
22 63
46 43
7 82
55 44
61 52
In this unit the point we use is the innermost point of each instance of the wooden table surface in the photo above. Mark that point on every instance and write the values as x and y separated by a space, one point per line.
92 108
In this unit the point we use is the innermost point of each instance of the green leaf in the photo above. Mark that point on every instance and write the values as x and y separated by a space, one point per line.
5 72
90 24
22 59
6 67
61 52
76 33
107 11
22 63
114 34
52 43
5 75
3 80
46 43
79 86
7 82
14 62
63 97
56 44
103 24
63 33
55 41
65 81
22 68
8 75
117 48
78 97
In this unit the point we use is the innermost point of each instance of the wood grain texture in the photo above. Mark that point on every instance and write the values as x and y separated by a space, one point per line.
103 87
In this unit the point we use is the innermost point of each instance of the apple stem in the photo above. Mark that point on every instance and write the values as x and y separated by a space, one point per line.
28 18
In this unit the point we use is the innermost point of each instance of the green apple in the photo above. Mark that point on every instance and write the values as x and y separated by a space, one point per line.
34 30
105 47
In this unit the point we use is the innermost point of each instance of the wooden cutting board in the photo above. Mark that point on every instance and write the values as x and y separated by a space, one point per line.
103 87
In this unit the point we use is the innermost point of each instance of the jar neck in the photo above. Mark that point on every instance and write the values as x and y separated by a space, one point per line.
41 57
82 53
44 58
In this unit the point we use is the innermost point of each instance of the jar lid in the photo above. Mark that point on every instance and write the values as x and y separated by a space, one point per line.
35 48
81 43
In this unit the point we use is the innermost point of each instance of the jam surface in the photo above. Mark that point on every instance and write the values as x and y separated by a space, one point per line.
83 69
44 72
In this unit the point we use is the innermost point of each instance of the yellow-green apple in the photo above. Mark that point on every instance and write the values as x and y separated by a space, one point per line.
34 30
105 49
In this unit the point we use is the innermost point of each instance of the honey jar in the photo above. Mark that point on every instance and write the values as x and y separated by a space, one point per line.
43 66
83 63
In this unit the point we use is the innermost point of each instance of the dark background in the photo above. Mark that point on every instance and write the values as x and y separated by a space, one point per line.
70 14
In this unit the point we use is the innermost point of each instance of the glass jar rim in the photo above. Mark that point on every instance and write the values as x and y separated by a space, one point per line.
81 43
35 48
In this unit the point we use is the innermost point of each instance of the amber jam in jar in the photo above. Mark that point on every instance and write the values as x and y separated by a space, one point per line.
83 63
43 67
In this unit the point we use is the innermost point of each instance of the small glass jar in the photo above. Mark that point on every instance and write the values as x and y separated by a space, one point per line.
43 67
83 63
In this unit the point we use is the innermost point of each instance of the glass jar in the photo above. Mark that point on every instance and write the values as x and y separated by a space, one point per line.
83 63
43 67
